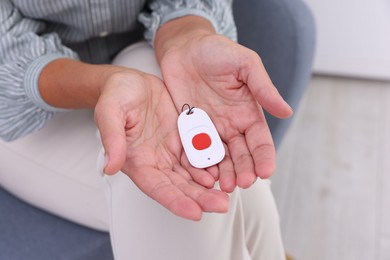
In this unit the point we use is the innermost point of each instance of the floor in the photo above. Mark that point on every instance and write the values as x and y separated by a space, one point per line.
332 183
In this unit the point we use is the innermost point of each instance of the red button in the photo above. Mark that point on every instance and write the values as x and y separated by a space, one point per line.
201 141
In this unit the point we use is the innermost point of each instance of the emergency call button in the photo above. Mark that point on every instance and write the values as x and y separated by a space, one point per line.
200 138
201 141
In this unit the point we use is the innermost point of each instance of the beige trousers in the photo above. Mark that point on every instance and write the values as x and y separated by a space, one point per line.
56 170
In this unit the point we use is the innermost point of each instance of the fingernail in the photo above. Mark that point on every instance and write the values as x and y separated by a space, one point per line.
292 110
105 162
101 162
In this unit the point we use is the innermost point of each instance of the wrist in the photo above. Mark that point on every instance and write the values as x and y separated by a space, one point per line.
179 32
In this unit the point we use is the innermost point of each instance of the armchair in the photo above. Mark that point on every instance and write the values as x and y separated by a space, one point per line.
281 31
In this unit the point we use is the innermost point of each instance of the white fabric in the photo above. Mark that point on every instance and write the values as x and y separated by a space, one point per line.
55 169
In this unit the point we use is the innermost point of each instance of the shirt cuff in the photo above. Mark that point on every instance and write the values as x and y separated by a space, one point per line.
31 79
218 12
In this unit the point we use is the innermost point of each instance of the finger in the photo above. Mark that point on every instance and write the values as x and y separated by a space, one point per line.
173 199
162 189
213 201
208 199
200 176
264 91
213 171
113 138
261 146
227 179
242 160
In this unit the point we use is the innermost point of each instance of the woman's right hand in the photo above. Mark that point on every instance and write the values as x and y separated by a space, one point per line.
137 121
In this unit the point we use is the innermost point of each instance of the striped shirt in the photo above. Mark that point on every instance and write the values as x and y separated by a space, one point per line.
36 32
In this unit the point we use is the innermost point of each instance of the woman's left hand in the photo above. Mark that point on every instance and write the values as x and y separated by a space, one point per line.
230 83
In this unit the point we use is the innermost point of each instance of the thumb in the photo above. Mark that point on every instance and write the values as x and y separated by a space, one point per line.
112 132
265 92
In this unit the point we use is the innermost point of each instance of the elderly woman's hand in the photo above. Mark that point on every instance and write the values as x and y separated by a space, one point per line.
138 125
228 81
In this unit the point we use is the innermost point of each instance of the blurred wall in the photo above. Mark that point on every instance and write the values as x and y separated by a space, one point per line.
353 37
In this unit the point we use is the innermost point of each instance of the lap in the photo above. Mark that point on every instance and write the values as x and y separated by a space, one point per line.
55 169
142 228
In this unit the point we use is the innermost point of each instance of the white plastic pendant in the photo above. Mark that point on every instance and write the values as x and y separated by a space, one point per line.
200 138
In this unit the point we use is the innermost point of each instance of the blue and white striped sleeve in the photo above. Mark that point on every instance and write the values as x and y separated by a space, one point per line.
218 12
23 55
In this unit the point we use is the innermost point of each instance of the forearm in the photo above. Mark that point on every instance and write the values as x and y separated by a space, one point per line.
178 31
67 83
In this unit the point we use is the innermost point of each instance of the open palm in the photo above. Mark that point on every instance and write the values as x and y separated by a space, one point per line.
137 123
229 82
